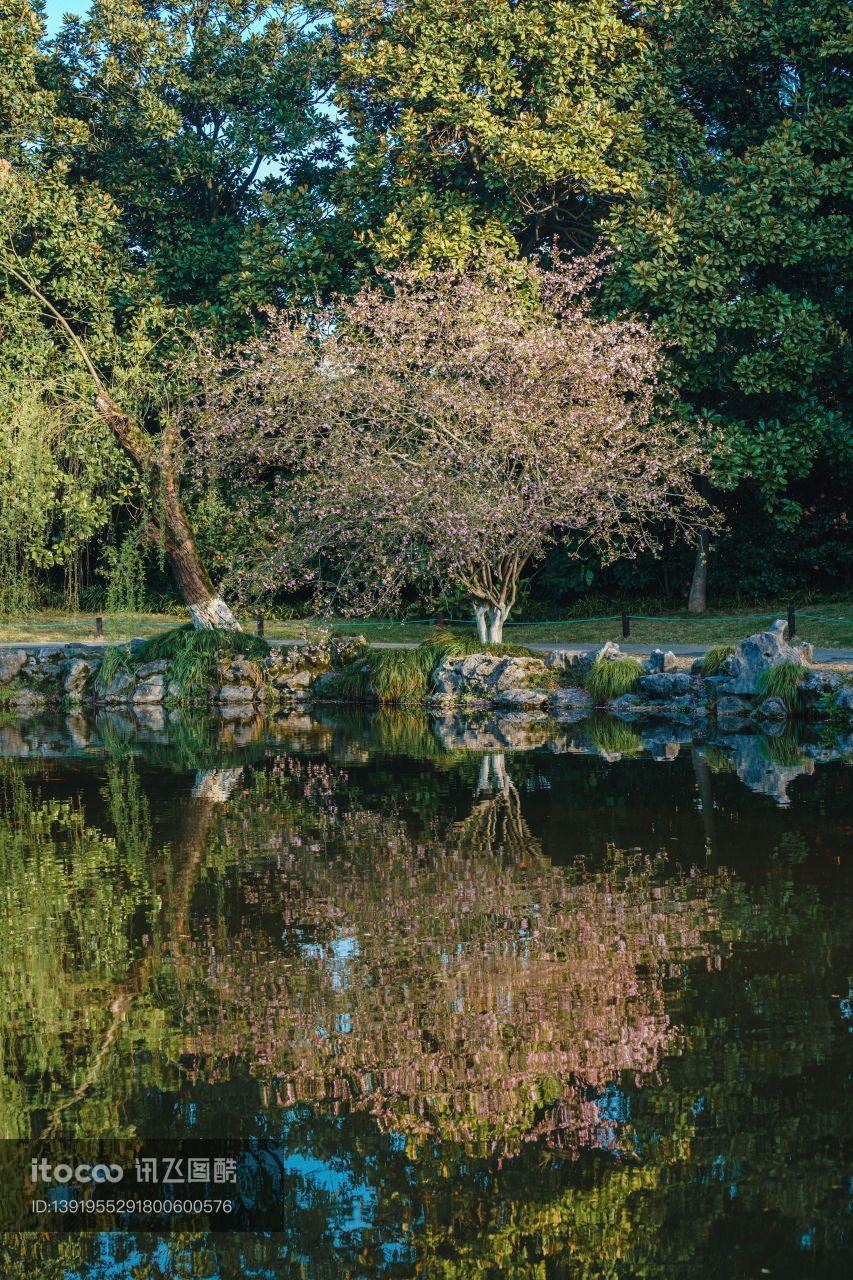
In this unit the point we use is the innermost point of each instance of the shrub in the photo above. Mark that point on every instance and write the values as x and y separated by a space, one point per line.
396 676
610 678
783 681
713 660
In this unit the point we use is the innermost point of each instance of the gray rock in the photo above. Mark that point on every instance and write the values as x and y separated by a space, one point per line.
755 655
152 690
119 689
729 705
669 684
571 699
521 698
844 701
806 649
680 705
293 681
819 682
625 704
11 662
514 673
772 709
78 677
236 693
156 668
659 661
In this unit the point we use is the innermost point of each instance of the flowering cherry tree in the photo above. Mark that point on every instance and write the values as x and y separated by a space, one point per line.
441 431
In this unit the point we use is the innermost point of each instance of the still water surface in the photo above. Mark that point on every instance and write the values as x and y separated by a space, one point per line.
576 1012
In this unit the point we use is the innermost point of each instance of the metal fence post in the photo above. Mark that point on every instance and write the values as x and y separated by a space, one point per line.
792 622
261 625
626 626
99 626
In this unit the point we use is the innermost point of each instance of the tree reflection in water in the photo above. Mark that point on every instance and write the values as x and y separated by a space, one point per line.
477 1064
456 985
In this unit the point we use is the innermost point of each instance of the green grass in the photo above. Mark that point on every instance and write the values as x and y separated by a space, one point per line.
397 676
609 679
783 681
723 627
715 657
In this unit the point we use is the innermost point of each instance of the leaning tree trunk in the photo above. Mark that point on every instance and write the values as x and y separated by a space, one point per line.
207 609
697 601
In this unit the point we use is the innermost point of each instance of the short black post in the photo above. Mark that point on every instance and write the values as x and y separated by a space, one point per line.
440 619
626 626
792 622
99 626
261 625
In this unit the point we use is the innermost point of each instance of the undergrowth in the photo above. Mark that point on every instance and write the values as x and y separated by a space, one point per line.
610 678
712 662
783 681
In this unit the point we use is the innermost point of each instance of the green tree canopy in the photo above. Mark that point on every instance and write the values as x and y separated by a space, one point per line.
208 124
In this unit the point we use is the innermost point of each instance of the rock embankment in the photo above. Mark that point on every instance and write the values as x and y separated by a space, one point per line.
764 680
43 677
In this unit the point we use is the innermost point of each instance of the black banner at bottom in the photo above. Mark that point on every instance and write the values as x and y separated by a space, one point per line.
79 1184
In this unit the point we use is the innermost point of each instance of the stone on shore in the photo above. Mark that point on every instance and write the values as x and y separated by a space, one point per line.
755 655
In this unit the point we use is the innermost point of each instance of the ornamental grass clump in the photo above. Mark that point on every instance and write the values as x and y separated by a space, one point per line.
784 681
611 677
394 676
712 663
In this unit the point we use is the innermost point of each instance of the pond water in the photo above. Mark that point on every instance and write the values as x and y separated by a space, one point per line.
505 1003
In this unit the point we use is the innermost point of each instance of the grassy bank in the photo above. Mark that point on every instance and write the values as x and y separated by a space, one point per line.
829 626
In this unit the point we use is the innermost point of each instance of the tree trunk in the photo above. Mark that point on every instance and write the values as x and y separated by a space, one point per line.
497 617
207 609
490 620
697 601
